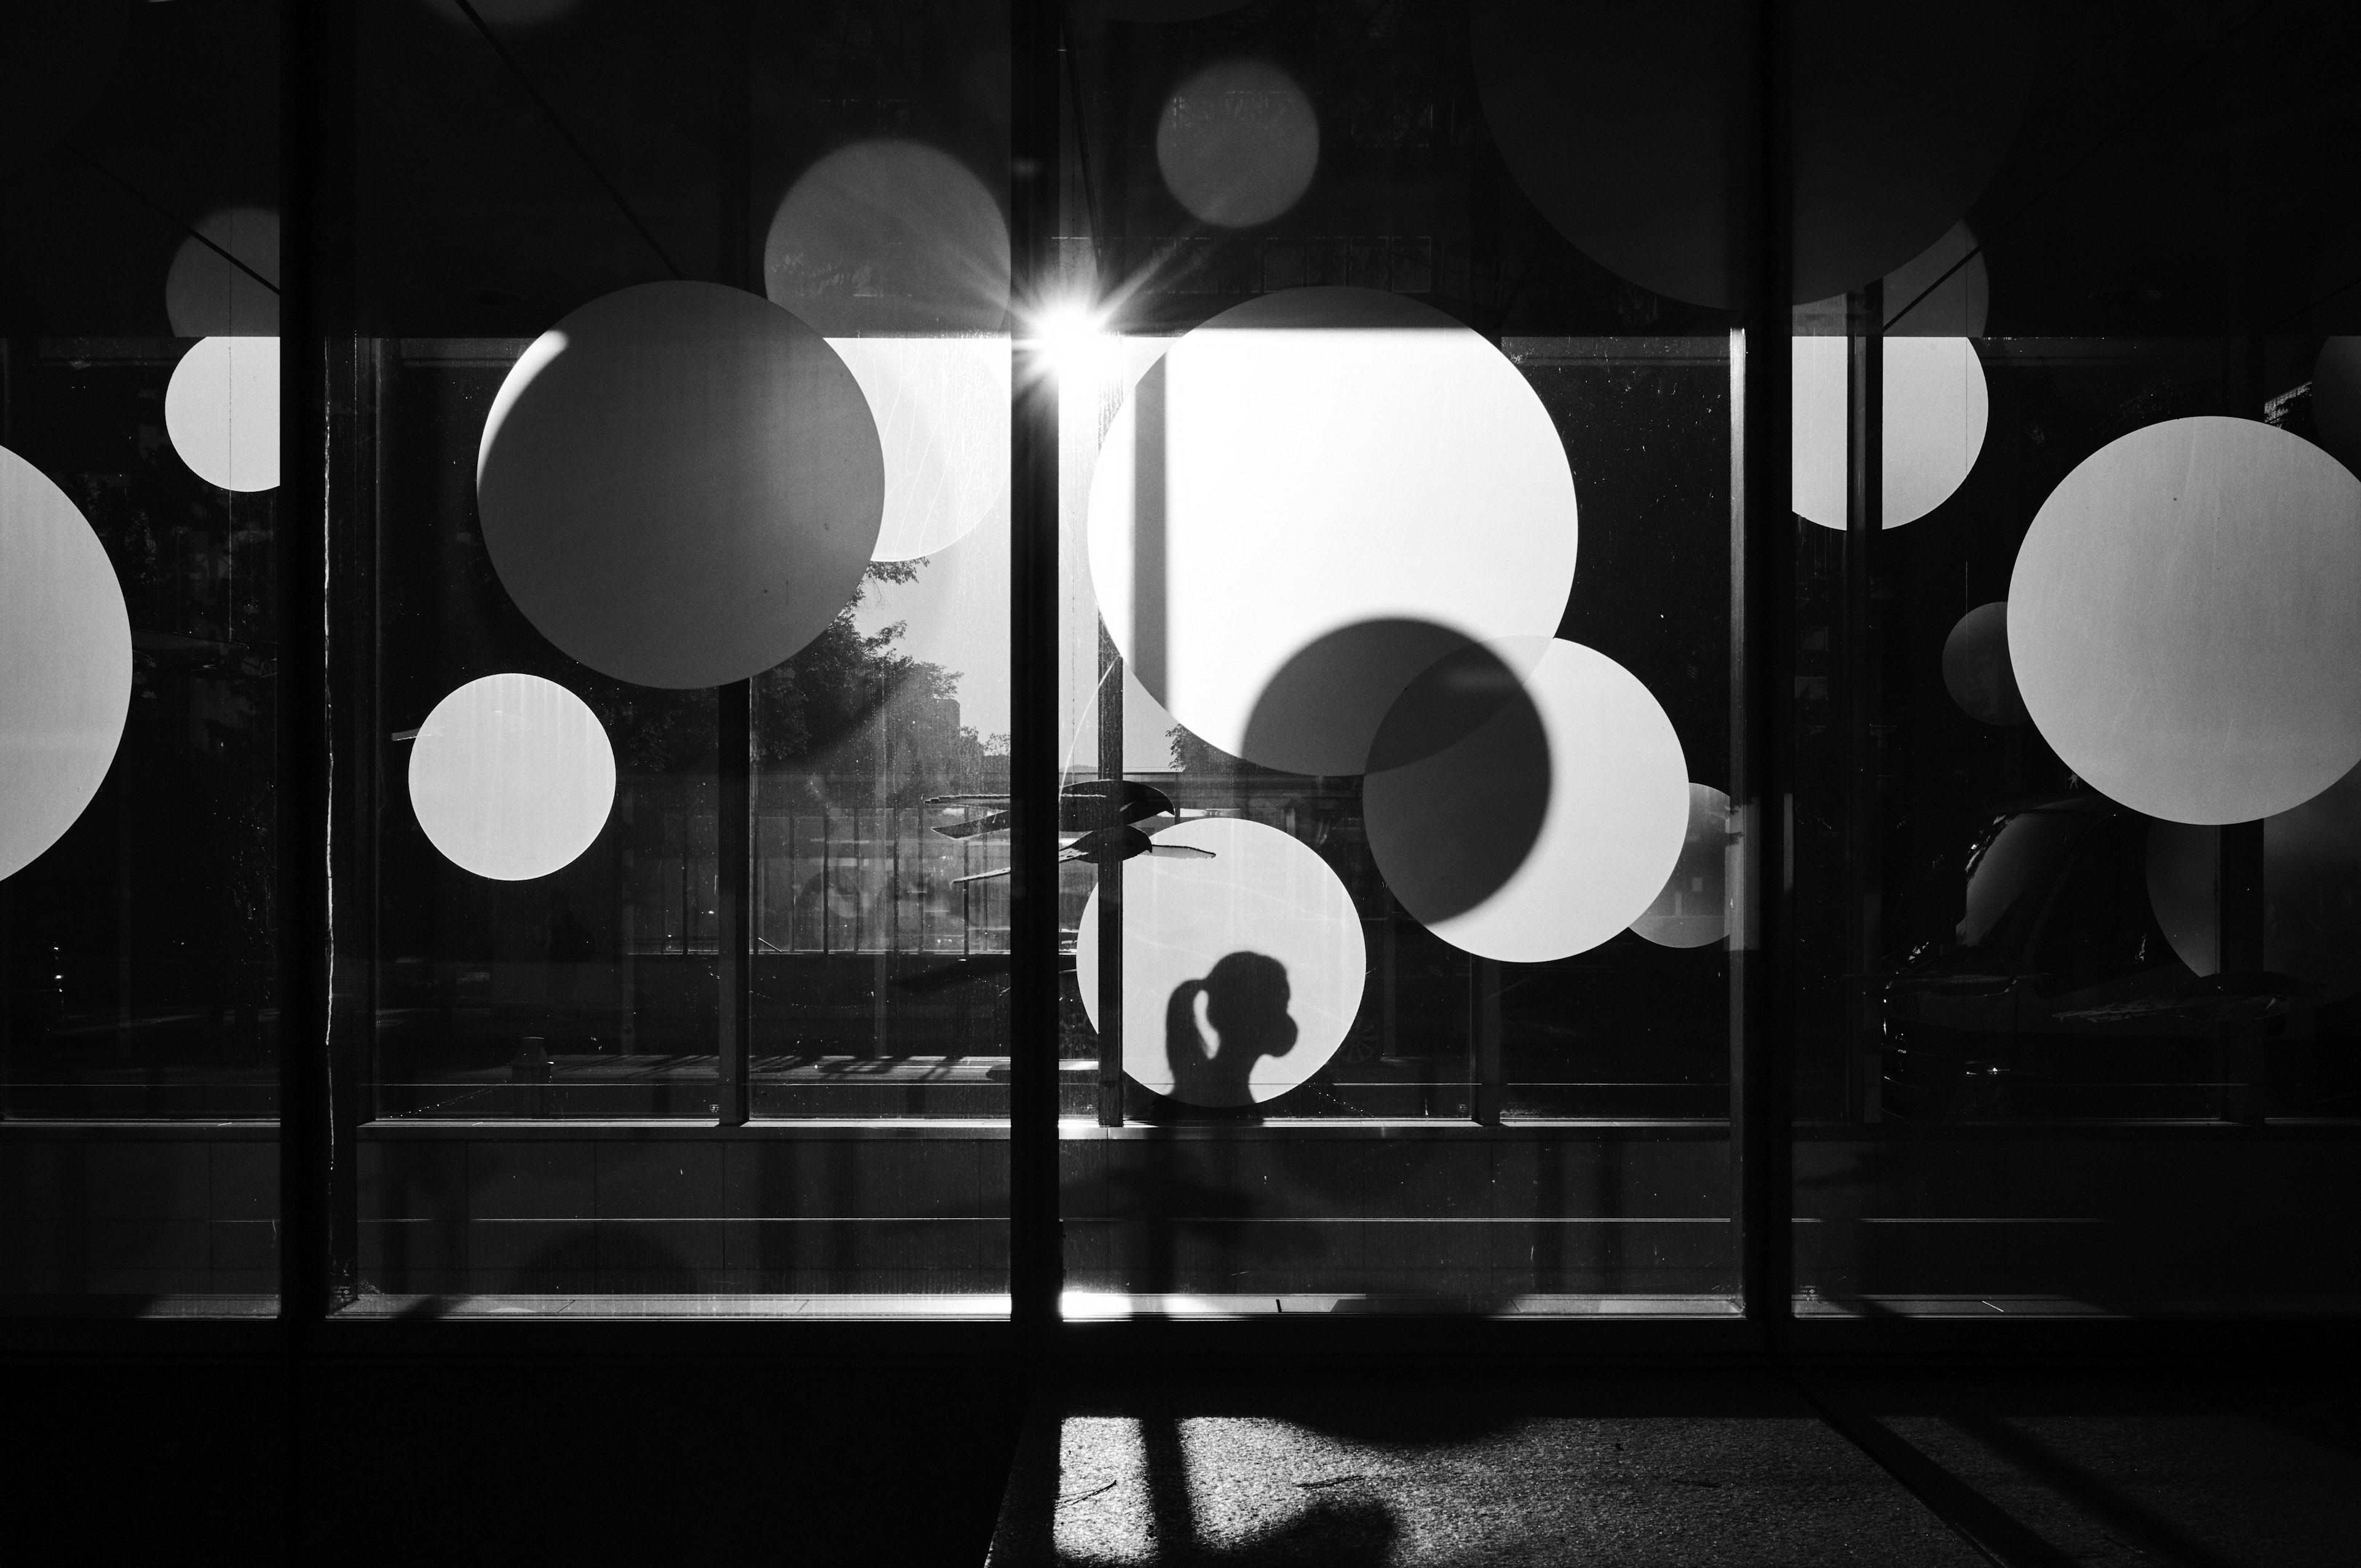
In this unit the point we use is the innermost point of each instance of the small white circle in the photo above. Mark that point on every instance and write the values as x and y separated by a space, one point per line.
207 294
2184 619
1241 974
1237 143
1692 910
889 236
1937 410
221 410
1976 670
512 777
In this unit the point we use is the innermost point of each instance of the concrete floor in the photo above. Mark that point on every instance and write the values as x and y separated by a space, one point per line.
1681 1469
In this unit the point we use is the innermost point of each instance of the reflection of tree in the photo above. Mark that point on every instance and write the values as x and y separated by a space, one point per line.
849 711
868 725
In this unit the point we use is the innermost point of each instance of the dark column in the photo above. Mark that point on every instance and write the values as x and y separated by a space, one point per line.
1035 1253
323 696
319 639
1484 1038
1864 824
735 266
2238 882
1761 613
1110 1076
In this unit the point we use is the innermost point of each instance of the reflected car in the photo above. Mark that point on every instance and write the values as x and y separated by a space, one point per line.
2059 995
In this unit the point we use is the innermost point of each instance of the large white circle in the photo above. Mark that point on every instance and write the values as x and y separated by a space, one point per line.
1237 143
221 410
680 485
65 663
1617 816
941 405
1264 892
1693 909
2185 620
1312 462
205 295
512 777
1936 408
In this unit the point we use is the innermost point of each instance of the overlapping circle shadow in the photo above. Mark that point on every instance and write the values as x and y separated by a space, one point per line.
1459 782
1603 820
1311 499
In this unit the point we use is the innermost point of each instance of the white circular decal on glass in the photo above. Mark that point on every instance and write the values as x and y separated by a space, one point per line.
1943 292
1937 408
65 663
680 485
1611 821
941 405
208 294
512 777
2184 621
221 410
1692 911
898 255
1976 670
889 236
1242 974
1308 500
1237 143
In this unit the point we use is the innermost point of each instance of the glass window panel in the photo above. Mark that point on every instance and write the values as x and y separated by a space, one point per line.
1459 1090
595 1080
139 1014
2033 1078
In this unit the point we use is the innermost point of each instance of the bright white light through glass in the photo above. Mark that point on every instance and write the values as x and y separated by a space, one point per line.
1072 338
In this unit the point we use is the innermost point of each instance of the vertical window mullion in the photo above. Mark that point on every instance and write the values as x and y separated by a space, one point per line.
1762 619
1034 1257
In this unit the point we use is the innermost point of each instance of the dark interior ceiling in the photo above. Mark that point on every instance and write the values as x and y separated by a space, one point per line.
2182 169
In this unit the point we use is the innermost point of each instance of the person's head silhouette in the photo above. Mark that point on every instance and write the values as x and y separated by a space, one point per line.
1245 998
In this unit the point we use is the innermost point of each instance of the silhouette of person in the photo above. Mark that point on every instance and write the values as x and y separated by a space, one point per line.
1246 1006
